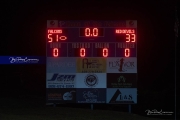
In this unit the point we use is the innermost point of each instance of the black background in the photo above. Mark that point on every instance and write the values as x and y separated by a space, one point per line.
23 32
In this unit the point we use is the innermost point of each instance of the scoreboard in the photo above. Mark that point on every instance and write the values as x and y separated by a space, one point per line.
91 61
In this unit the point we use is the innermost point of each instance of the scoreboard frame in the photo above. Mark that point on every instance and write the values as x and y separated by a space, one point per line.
91 62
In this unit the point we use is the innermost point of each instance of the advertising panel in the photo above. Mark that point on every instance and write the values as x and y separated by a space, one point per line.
122 65
54 95
91 80
61 65
60 80
121 80
91 95
91 65
121 95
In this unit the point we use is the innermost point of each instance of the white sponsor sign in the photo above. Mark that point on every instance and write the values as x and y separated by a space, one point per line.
91 80
60 80
121 95
122 65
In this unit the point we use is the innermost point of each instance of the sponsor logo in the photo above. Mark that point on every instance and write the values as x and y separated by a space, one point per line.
91 80
118 97
54 96
61 81
122 65
121 79
21 60
91 96
68 79
68 95
61 64
91 65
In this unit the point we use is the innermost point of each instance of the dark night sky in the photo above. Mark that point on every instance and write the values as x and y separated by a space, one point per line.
23 27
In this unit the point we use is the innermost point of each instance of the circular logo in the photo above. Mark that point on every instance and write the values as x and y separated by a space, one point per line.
52 22
131 23
91 80
67 96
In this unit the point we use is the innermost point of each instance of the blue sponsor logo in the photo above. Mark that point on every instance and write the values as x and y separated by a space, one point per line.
63 78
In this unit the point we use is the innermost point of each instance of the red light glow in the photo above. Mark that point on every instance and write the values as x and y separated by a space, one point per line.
62 37
54 31
133 38
89 33
105 52
95 32
50 39
124 31
128 38
127 52
55 52
82 52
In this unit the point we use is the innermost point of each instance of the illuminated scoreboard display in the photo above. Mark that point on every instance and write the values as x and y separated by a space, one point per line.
91 62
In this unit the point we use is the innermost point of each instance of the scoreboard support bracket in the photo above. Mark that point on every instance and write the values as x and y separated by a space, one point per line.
91 106
129 108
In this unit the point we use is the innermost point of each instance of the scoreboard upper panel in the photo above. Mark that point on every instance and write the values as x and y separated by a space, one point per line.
91 38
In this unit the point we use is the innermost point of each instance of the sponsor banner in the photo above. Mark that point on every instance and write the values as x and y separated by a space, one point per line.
60 80
91 80
122 65
60 95
121 95
91 65
22 60
93 23
91 95
61 65
121 80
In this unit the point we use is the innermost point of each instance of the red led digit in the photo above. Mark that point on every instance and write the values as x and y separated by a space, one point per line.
87 32
133 38
62 37
127 52
50 39
55 52
95 32
127 37
57 38
82 52
105 52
